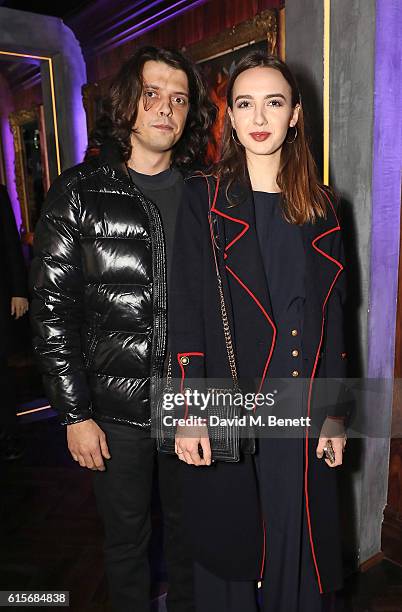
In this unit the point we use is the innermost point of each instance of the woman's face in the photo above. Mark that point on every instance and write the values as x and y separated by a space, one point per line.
262 110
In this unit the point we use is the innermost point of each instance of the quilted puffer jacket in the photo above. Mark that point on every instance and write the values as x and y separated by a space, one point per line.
98 286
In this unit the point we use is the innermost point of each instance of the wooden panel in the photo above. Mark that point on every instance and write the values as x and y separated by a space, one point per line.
392 535
103 59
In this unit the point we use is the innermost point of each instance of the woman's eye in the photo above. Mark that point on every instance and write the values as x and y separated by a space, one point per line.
275 103
243 104
150 94
180 101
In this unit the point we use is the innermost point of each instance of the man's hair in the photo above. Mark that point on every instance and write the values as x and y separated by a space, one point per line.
120 107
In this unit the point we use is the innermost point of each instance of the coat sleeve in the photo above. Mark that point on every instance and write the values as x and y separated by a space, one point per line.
57 309
14 259
336 353
186 316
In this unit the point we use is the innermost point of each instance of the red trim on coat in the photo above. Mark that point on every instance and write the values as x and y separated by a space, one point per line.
244 230
246 226
340 266
266 315
183 376
264 548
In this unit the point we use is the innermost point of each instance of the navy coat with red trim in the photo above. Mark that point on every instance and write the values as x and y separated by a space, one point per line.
223 512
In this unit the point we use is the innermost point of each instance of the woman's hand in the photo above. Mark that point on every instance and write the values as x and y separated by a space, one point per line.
332 430
186 444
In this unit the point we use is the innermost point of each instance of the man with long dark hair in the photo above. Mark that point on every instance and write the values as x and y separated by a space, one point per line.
99 306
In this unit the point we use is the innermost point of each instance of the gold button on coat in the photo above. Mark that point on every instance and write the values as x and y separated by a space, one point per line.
295 373
294 332
295 353
184 360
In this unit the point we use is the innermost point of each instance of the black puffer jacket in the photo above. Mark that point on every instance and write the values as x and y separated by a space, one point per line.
99 295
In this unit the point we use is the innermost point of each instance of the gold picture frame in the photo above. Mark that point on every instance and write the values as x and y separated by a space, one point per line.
30 207
266 26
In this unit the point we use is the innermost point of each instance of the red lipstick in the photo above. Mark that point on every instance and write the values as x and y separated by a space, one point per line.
260 136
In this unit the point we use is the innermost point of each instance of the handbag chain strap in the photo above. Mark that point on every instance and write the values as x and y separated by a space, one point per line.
225 320
169 372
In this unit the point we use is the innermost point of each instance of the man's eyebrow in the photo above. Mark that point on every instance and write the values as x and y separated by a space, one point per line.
181 93
248 97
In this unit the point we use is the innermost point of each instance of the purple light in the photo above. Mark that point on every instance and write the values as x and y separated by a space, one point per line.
9 162
7 107
118 40
78 118
387 161
130 16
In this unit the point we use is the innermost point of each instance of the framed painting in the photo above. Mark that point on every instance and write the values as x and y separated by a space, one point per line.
218 57
92 96
31 165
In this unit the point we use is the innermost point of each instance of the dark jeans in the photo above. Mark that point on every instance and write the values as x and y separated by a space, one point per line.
123 494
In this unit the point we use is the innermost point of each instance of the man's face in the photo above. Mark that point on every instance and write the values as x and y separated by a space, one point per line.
163 109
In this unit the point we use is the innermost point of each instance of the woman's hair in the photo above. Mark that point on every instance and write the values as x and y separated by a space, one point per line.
119 108
302 191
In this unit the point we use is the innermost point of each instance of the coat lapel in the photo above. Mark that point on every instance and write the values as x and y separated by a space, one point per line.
322 271
246 276
242 248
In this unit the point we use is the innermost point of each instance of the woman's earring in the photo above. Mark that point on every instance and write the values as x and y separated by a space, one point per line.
295 136
234 138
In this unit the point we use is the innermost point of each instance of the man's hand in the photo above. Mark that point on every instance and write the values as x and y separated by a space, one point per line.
186 445
19 306
87 444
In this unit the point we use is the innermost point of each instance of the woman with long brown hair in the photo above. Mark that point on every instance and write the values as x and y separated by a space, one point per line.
257 297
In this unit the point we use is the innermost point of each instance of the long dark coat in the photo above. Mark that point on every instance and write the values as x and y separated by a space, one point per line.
223 510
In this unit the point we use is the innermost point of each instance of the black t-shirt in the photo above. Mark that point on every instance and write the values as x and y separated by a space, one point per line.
282 252
164 190
283 256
